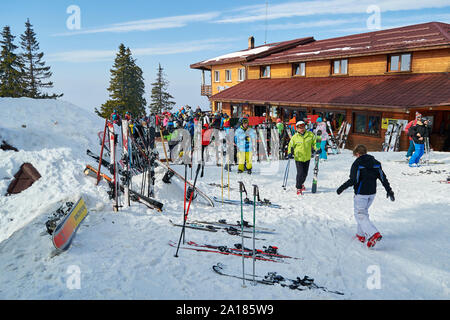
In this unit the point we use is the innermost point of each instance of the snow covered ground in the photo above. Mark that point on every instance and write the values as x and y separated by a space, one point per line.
126 255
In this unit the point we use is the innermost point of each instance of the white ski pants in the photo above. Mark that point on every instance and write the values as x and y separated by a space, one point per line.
361 204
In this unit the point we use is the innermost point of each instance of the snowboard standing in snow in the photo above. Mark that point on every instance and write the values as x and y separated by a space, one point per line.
316 171
345 136
340 134
65 231
387 137
396 131
332 140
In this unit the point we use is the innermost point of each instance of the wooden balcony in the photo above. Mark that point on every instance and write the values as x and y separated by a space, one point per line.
206 90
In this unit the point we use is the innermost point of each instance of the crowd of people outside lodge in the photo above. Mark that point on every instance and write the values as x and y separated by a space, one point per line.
246 139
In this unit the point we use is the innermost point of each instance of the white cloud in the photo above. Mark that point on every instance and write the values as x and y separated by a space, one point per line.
146 25
322 7
82 56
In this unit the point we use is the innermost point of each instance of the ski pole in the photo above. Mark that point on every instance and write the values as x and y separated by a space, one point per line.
255 192
221 178
228 163
286 174
187 211
185 186
241 190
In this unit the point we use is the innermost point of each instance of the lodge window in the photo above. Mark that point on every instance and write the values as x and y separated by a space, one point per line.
299 69
241 74
367 123
340 67
400 62
228 75
216 76
265 72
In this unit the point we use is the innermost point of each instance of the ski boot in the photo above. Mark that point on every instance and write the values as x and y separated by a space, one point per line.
299 192
361 239
373 240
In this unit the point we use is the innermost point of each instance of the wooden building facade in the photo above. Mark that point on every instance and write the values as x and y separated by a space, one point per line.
367 79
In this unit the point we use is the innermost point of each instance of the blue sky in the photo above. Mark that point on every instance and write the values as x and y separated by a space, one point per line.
179 33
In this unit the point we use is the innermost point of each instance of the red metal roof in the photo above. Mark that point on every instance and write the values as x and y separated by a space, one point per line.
404 91
248 54
398 39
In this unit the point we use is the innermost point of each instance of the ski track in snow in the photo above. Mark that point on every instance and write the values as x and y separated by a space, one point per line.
126 255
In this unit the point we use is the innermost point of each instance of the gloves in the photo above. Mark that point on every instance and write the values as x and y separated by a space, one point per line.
291 155
340 190
390 194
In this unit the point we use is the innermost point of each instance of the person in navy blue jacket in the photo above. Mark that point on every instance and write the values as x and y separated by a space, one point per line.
364 173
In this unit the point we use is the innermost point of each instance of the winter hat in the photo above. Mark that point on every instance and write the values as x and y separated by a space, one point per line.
319 119
300 123
418 115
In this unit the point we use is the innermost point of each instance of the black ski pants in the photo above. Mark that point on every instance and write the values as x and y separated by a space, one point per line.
302 173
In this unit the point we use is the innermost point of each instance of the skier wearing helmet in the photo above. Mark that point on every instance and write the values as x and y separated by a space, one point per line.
243 139
299 148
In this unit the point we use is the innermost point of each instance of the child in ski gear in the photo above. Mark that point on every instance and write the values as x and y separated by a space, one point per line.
243 139
418 134
364 173
226 123
300 148
322 127
411 142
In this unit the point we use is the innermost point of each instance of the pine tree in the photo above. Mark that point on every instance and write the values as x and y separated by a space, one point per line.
35 71
126 87
161 99
11 67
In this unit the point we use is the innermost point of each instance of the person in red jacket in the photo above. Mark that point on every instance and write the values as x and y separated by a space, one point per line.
412 123
206 139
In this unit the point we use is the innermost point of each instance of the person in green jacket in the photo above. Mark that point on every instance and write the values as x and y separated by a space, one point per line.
299 148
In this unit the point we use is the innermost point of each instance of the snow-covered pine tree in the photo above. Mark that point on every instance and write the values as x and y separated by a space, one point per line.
126 87
35 71
11 67
161 99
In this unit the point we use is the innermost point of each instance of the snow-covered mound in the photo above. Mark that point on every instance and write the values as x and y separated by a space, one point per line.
126 255
36 124
53 136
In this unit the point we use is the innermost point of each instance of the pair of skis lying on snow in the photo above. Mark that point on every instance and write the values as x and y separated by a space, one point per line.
266 254
273 278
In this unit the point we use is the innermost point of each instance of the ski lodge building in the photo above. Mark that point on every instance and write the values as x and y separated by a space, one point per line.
368 79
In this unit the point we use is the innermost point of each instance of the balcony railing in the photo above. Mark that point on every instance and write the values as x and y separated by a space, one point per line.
206 90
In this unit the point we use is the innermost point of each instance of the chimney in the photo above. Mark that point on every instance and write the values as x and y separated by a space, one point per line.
251 42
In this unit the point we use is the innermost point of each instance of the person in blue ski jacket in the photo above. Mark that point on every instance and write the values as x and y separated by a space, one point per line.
244 137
